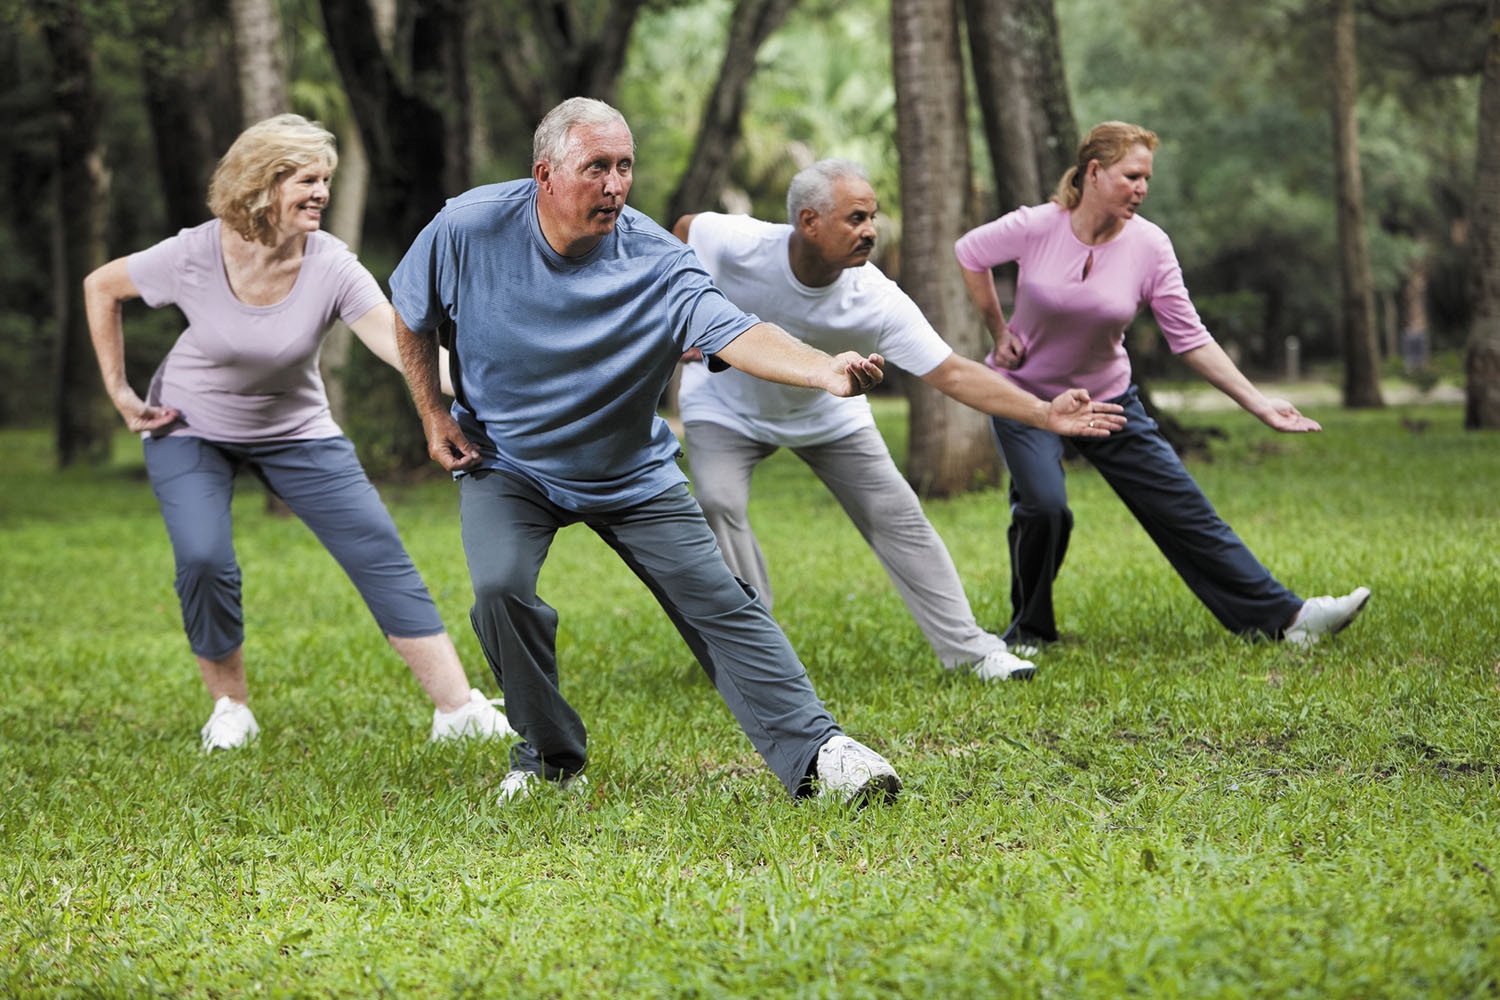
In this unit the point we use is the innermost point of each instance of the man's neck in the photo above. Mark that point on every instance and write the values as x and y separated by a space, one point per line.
808 266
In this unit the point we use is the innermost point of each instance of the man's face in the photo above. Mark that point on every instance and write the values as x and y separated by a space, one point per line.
583 195
845 234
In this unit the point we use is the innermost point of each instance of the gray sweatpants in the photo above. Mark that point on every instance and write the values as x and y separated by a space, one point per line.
508 526
323 483
859 471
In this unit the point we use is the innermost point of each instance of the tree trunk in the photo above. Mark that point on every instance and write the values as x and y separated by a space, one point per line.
550 50
1482 360
1357 298
83 418
177 75
698 190
259 59
416 124
950 448
1023 97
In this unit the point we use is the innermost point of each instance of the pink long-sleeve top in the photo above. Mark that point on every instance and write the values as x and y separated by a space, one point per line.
1072 327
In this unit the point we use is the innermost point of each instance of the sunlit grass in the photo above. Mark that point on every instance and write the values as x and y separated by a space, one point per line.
1167 811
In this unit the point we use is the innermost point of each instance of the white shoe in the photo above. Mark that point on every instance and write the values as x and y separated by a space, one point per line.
517 785
1003 665
231 726
851 770
479 717
1322 616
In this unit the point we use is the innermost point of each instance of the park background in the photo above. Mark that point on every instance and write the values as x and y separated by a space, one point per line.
1167 811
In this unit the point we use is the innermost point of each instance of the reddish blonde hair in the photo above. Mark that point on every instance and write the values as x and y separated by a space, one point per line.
1107 142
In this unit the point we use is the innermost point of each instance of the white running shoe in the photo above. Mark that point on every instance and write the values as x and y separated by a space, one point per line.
1003 665
231 726
852 771
1322 616
479 717
517 785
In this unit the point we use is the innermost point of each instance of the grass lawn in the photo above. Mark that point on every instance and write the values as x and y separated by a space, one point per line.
1167 811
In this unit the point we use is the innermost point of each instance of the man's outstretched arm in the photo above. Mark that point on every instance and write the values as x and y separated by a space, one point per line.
1071 414
769 352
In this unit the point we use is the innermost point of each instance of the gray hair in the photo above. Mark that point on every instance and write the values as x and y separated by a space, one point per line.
550 141
813 186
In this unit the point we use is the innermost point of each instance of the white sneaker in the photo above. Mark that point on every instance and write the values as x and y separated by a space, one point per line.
1322 616
231 726
851 770
479 717
1003 665
517 785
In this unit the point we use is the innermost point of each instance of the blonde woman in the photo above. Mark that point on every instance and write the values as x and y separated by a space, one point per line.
260 285
1088 263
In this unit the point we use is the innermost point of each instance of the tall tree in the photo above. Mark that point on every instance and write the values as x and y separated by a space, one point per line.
1482 362
1023 96
82 416
549 50
186 72
413 104
1356 287
258 58
950 449
749 27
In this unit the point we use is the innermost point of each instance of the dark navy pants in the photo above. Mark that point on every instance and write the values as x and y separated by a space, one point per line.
1146 473
323 483
508 526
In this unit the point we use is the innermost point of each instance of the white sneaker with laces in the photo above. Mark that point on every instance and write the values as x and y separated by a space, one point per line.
231 726
852 771
479 717
1321 616
1003 665
517 785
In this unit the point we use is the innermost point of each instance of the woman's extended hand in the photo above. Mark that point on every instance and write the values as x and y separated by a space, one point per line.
1281 415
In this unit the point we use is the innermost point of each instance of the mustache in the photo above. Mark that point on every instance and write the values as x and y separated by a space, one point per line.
865 245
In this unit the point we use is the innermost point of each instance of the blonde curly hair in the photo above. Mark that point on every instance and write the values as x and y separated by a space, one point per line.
1107 142
243 188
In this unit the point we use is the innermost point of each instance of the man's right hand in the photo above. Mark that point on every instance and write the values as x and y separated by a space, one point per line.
447 445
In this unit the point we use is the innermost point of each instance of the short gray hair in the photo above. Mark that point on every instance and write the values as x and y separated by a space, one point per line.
550 141
813 186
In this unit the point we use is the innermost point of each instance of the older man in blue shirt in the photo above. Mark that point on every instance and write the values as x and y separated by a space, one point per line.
570 311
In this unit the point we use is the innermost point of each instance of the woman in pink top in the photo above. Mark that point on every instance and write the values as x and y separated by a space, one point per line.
260 285
1087 264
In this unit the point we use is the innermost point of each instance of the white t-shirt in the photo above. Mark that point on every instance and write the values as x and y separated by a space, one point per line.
862 311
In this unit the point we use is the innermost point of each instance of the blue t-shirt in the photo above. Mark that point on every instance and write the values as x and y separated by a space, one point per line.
559 361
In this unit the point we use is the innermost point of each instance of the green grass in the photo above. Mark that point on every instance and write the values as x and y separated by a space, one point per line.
1167 811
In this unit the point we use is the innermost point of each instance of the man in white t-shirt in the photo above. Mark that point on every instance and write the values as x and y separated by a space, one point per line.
813 278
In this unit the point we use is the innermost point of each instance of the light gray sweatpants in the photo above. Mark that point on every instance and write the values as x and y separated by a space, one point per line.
859 471
508 526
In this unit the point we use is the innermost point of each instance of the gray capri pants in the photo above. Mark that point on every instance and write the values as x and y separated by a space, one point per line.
324 485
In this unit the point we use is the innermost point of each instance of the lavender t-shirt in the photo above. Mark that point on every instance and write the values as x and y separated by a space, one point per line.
248 373
1073 327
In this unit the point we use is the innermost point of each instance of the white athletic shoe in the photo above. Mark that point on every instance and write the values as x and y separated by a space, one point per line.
1322 616
517 785
479 717
1003 665
231 726
852 771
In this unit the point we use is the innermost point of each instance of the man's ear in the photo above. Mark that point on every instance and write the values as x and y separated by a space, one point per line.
807 219
542 171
